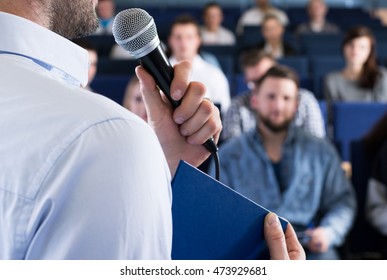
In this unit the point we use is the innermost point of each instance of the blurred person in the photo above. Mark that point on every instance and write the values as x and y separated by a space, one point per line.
74 184
241 117
317 24
133 100
255 15
273 42
184 42
213 33
93 59
288 171
362 79
106 11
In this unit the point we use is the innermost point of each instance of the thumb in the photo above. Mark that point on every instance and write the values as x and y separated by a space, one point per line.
275 238
154 104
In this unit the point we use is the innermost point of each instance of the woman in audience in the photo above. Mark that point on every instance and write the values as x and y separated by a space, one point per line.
133 99
361 79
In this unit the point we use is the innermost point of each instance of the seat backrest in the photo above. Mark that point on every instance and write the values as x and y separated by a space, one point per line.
351 121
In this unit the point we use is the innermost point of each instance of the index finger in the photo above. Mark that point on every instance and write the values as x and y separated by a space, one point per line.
180 82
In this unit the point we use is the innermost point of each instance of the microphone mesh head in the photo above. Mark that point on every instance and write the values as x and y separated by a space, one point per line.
134 30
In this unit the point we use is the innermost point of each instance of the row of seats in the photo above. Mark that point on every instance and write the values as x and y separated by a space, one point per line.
343 17
311 70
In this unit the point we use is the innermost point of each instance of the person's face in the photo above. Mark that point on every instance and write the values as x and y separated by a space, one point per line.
213 18
275 103
255 72
73 19
105 9
184 41
357 51
134 102
93 60
272 30
317 10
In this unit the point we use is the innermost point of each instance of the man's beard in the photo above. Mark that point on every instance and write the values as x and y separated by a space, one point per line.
73 19
273 127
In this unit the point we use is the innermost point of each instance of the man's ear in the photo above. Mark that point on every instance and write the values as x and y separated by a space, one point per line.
254 100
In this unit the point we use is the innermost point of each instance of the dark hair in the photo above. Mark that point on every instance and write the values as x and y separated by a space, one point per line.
85 43
210 5
185 19
370 72
279 71
252 57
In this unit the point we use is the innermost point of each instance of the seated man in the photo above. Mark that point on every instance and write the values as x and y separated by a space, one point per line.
273 38
213 33
106 11
317 11
288 171
184 42
241 117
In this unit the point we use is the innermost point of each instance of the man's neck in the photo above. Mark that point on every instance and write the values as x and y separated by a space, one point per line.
272 142
27 9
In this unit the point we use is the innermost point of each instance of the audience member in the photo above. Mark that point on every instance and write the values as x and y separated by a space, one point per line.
273 44
361 79
213 33
93 59
317 11
376 199
184 43
289 171
254 16
133 99
240 117
106 11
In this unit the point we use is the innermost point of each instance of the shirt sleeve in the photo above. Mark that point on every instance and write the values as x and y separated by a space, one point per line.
338 205
107 196
312 120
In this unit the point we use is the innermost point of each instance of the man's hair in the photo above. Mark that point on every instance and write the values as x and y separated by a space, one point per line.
210 5
252 57
270 16
183 20
279 71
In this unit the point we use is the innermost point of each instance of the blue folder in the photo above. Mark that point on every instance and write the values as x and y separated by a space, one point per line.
212 221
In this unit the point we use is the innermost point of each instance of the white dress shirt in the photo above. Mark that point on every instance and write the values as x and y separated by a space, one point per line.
218 89
222 37
255 16
80 176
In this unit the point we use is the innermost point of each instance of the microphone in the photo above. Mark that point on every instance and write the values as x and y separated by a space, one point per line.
135 31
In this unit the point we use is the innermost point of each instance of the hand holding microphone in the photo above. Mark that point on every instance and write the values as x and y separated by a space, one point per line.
187 120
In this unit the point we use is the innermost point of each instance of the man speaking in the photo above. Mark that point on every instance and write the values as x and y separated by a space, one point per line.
81 177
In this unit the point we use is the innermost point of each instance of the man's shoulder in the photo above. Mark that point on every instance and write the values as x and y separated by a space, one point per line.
237 146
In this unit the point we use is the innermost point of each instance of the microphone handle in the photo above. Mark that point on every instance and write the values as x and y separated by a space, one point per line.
158 65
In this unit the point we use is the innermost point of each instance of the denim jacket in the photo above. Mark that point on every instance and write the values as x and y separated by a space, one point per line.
317 191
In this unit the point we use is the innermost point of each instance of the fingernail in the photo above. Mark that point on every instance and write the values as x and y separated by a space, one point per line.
177 94
184 132
179 120
272 219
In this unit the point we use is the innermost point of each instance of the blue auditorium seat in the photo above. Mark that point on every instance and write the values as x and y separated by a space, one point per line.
107 66
320 66
111 86
324 112
299 63
103 43
351 121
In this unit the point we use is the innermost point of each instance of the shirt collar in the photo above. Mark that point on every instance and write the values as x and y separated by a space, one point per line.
26 38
